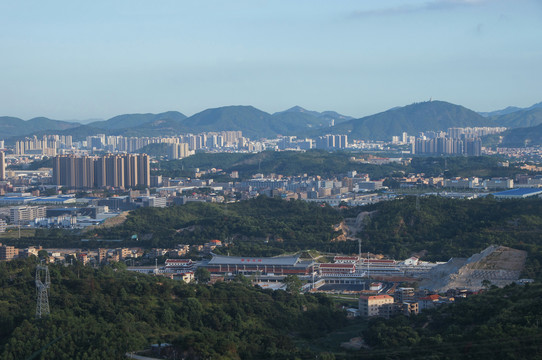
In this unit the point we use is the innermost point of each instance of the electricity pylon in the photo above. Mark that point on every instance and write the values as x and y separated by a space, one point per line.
42 287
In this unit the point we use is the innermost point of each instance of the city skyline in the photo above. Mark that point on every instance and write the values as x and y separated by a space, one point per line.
93 61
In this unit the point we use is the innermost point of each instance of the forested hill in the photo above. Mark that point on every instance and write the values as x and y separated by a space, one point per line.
262 226
104 313
332 164
12 126
447 228
256 124
440 227
414 118
313 162
499 324
526 136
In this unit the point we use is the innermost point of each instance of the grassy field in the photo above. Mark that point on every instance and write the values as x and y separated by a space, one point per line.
14 233
350 300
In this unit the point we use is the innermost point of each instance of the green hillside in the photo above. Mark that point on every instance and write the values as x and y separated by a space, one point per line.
12 126
313 162
105 313
499 324
425 116
136 120
520 119
253 122
527 136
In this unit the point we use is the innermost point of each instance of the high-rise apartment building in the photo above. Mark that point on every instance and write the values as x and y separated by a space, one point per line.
332 142
178 150
118 171
445 145
2 166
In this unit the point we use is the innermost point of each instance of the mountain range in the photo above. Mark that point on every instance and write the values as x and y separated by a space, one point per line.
415 118
509 110
255 123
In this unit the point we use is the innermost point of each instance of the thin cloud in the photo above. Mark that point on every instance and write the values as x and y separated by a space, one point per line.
435 5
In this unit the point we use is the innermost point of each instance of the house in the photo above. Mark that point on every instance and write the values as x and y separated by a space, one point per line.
428 302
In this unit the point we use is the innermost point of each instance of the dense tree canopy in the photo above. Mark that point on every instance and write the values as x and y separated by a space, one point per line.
103 313
499 324
260 227
335 164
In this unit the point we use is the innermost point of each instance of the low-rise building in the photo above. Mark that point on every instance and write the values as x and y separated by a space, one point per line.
8 252
280 265
346 259
428 302
518 193
410 307
83 257
337 269
370 305
459 183
404 294
179 265
499 183
19 215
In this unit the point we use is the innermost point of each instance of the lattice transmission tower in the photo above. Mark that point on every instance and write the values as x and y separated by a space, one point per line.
42 287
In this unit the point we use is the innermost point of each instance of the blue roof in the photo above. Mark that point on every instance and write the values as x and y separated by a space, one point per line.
523 192
51 200
17 198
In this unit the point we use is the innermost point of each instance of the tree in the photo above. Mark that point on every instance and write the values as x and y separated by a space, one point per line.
242 279
293 284
486 283
202 275
43 254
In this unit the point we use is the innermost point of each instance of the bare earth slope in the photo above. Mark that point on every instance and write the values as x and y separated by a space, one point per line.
500 265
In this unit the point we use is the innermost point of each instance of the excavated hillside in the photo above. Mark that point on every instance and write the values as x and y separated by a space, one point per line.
350 227
500 265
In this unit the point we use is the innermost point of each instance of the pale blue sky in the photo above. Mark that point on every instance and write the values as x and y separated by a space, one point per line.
96 59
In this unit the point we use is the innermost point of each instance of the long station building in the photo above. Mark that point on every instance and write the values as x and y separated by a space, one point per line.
281 265
343 266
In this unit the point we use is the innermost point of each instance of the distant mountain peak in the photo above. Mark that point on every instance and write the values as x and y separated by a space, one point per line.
298 109
328 114
509 110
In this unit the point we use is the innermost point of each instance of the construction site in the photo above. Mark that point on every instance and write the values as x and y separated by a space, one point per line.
496 265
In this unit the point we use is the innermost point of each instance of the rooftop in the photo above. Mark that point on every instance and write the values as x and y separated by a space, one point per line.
243 260
375 297
346 266
522 192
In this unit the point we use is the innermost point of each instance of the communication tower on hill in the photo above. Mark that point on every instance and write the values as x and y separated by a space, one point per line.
42 287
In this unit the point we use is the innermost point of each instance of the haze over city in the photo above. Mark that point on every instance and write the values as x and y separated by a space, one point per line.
77 61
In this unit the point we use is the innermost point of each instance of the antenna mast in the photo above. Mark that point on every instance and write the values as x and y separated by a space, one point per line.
42 287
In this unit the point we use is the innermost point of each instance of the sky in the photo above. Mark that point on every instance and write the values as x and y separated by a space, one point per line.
77 60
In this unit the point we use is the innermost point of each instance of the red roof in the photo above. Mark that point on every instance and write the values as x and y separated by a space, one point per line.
346 266
375 297
178 261
346 257
380 261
